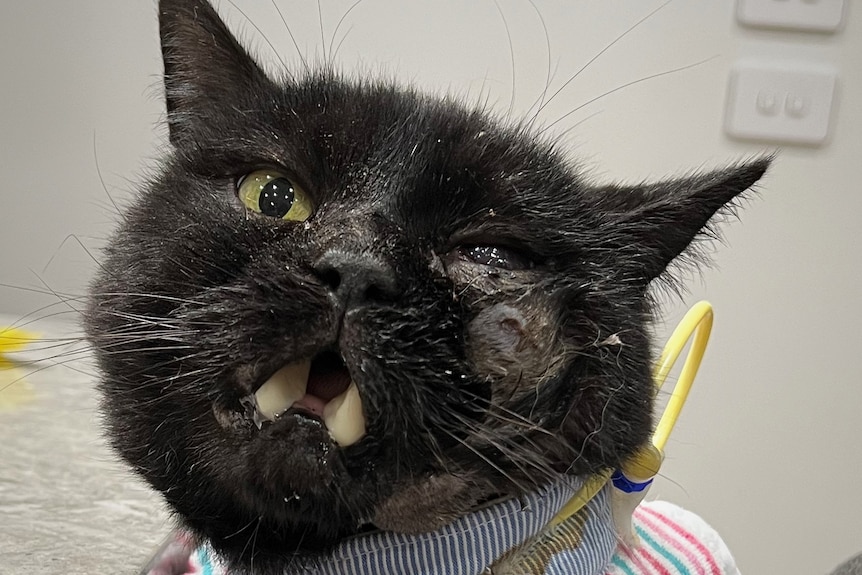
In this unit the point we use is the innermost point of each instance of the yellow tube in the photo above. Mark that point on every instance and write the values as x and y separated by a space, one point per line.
697 321
645 464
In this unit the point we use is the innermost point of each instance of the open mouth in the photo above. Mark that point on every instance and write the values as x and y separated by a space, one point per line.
319 387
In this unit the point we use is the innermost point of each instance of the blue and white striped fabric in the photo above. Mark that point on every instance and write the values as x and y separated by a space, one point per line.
598 543
469 544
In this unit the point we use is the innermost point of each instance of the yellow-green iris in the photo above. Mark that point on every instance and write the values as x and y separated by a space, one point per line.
273 194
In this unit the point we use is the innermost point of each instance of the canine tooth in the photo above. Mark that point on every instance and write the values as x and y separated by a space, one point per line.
344 418
280 391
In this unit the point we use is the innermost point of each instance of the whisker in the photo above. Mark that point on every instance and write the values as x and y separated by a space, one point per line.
32 372
337 26
262 35
598 55
32 318
240 530
514 453
292 38
600 427
322 35
562 135
61 299
623 86
541 99
63 243
490 463
252 540
511 56
102 179
516 418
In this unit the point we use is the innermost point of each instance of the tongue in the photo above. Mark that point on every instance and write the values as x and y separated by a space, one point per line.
327 383
323 388
312 404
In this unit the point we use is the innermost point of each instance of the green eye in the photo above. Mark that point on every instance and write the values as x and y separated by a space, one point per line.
273 194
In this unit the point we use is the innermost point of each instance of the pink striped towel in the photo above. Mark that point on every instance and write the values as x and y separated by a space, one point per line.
673 541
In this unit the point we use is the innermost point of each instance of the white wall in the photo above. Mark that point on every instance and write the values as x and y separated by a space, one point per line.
768 446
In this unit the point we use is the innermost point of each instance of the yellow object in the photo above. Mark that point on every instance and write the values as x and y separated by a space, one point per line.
587 491
14 391
645 464
637 474
697 321
14 339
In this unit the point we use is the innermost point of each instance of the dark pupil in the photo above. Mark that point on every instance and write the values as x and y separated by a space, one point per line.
276 197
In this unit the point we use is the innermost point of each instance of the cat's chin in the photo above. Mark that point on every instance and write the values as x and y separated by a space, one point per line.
295 457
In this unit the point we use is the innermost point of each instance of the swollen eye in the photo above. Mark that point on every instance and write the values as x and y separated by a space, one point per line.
273 194
496 257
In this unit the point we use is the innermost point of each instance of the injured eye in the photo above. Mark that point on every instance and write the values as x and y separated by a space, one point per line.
495 257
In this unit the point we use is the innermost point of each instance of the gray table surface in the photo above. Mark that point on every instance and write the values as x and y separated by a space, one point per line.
66 503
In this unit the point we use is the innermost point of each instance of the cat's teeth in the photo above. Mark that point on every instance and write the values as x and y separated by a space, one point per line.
342 415
344 418
286 386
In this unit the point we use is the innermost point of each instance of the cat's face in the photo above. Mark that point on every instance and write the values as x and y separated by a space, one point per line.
341 304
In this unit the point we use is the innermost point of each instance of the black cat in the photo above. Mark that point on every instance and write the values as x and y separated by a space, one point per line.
342 305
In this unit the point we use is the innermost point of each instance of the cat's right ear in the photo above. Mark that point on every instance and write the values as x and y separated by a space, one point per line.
206 68
649 226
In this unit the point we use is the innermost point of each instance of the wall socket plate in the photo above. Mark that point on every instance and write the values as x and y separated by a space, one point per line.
812 15
786 102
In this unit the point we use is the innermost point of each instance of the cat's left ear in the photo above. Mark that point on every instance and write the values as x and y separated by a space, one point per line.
651 225
206 69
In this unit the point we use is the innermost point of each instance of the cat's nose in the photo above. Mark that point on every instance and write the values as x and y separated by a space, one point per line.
357 278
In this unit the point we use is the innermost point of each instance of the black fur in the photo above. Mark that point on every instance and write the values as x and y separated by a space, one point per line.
477 380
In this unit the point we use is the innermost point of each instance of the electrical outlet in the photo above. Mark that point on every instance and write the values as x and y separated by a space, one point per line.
780 102
814 15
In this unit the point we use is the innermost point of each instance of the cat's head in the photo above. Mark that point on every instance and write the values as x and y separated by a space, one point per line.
475 307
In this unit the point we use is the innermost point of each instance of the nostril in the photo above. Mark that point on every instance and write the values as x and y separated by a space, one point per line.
330 277
357 278
378 293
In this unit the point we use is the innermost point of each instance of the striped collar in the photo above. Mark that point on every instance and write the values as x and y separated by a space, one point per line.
511 537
